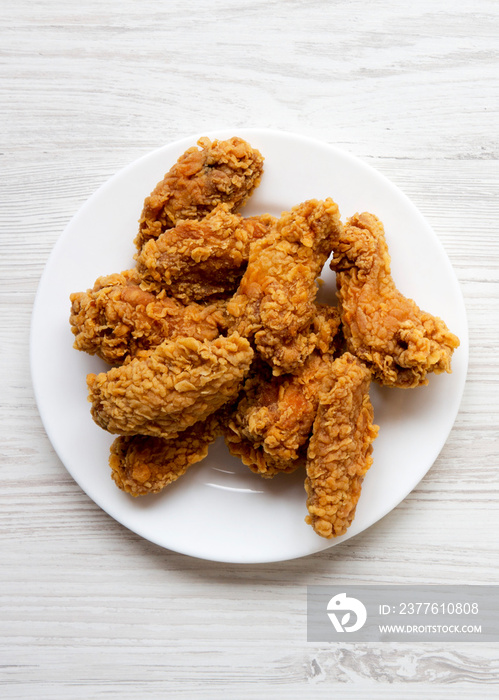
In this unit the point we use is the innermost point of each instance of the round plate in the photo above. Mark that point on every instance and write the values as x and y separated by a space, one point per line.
220 510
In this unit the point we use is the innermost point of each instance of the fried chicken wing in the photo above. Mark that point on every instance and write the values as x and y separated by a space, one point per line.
339 451
117 319
218 171
274 303
177 384
141 464
277 413
199 259
240 446
399 342
270 426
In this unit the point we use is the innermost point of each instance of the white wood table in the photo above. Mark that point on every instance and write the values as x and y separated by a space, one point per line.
91 610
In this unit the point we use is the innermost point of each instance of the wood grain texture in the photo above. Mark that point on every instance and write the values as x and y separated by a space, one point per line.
89 609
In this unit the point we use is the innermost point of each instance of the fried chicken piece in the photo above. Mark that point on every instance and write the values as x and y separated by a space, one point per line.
240 445
399 342
339 452
271 424
199 259
141 464
274 303
277 413
218 171
117 319
177 384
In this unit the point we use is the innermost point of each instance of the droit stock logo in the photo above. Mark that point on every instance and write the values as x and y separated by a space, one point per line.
340 609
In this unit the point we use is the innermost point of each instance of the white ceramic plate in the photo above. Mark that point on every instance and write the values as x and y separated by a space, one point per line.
220 510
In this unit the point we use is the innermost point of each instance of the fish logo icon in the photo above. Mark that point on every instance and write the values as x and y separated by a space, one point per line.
340 603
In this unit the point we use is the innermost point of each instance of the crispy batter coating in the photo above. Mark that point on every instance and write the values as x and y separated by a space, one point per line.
199 259
259 461
117 319
277 413
218 171
399 342
251 454
142 464
339 452
274 303
326 329
269 427
177 384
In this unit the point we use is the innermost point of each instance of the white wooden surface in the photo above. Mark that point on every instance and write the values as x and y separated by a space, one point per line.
90 610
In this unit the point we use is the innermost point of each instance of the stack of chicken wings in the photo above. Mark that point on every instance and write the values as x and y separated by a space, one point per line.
217 332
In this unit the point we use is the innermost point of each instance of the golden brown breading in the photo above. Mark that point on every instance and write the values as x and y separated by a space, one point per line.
274 303
326 329
142 464
199 259
218 171
252 455
277 413
117 319
339 452
399 342
259 461
177 384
